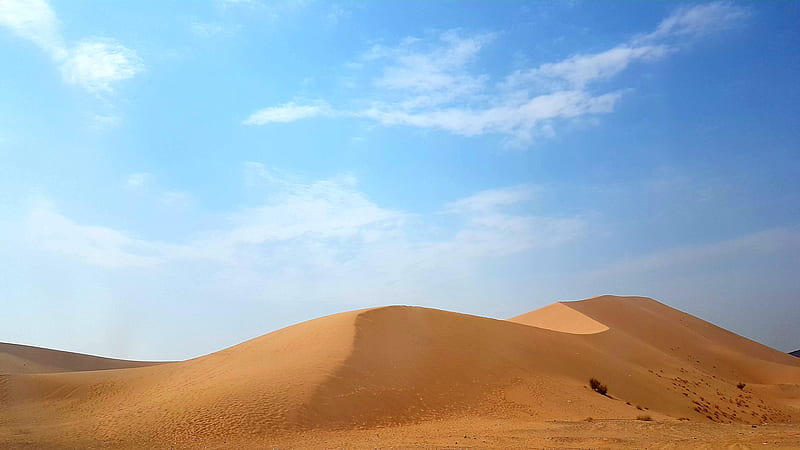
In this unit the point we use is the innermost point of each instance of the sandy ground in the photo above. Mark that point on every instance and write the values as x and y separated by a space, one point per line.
484 433
406 377
610 433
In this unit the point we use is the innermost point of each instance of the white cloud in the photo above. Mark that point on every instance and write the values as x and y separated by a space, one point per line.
435 69
34 20
318 225
577 71
256 174
143 183
288 112
99 246
519 122
337 14
137 181
491 199
94 64
330 208
498 234
104 121
204 29
426 83
696 21
172 198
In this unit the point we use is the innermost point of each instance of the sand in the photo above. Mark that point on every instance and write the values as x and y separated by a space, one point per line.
401 376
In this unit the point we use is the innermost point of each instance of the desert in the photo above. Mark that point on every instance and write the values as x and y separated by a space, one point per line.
303 224
406 377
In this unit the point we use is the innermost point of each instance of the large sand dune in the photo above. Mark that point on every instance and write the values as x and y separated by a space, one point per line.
397 367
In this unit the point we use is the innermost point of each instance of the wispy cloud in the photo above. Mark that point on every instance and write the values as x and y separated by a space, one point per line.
288 112
491 199
329 217
172 198
206 29
696 21
137 181
94 245
94 63
426 83
439 69
577 71
520 121
35 21
766 242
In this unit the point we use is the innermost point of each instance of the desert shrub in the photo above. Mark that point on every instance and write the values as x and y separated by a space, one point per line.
645 417
741 385
588 419
597 386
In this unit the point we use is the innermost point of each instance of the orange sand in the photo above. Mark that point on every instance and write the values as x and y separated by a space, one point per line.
417 375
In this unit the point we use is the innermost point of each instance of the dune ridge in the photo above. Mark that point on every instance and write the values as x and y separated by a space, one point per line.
401 365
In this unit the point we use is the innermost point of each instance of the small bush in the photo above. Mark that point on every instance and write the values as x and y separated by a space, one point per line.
597 386
644 417
741 385
588 419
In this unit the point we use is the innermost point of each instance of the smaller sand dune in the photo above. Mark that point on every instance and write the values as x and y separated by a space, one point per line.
560 317
20 359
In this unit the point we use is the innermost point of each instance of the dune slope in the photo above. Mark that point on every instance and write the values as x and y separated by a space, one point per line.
403 365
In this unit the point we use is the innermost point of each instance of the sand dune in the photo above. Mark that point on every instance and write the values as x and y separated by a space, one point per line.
560 317
398 366
16 359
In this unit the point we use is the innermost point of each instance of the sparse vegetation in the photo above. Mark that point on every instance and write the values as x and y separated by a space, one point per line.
741 385
645 417
598 387
588 419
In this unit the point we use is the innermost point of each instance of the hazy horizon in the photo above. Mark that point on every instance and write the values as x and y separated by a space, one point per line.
180 177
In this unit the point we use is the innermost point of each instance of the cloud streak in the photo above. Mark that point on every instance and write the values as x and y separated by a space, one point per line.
432 83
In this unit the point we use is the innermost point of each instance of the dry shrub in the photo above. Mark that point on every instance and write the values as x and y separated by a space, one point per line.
597 386
645 417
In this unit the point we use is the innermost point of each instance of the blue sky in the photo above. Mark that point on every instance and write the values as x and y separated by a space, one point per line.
176 177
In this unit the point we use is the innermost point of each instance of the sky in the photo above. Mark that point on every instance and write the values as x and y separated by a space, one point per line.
178 177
